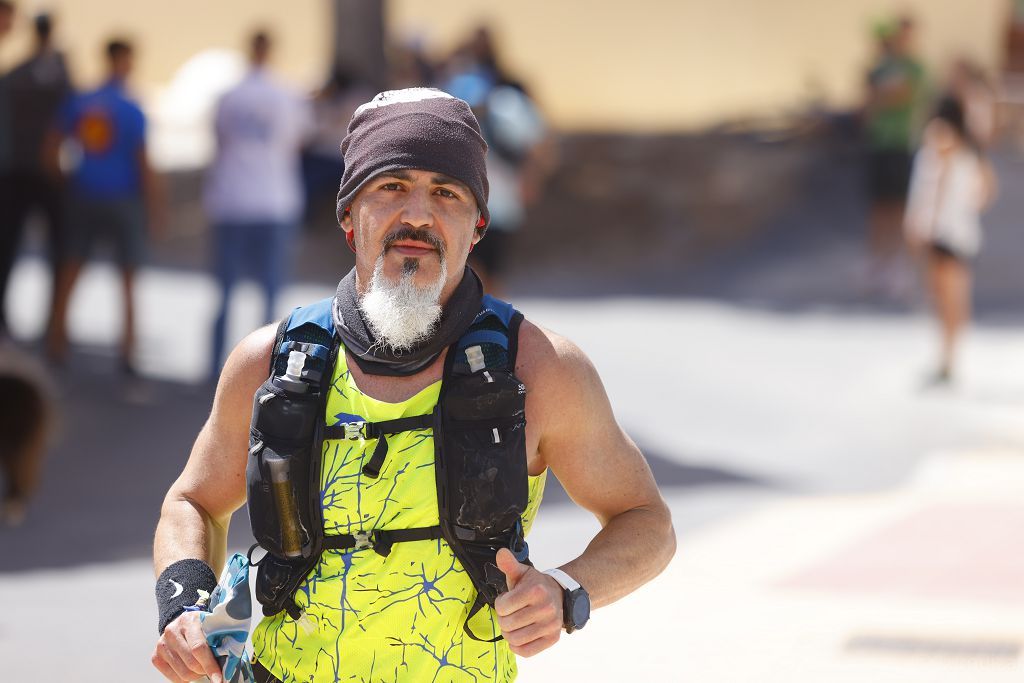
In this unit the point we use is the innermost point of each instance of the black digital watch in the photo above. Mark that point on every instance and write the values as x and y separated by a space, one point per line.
575 601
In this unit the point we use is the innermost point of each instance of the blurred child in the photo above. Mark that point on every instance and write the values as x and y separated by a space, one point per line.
951 184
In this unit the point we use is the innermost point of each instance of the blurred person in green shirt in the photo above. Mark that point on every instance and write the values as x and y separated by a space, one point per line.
895 91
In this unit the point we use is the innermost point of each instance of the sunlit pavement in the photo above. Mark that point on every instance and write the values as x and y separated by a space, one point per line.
836 521
922 584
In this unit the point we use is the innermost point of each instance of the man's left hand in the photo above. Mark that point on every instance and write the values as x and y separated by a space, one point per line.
530 613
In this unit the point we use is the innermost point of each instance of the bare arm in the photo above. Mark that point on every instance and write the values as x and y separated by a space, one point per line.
604 472
50 155
989 185
196 511
153 195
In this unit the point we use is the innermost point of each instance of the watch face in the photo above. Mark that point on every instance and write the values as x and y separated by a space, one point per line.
580 609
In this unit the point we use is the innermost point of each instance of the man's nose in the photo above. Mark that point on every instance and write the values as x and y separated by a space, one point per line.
417 211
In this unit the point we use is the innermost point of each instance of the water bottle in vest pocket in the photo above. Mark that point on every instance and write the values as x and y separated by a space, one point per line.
281 443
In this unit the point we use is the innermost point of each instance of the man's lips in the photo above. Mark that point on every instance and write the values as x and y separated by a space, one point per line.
411 248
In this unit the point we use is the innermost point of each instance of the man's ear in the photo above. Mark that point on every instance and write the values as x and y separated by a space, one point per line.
345 221
479 229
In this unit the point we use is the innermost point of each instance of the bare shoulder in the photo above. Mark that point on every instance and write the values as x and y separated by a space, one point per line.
562 384
214 477
247 367
252 354
546 357
575 428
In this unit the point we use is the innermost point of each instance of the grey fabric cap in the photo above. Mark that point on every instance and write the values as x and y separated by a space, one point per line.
415 128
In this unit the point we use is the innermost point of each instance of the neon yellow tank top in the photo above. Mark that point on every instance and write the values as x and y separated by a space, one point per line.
394 618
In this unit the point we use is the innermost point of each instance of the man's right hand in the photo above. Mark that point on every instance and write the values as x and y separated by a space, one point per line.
182 654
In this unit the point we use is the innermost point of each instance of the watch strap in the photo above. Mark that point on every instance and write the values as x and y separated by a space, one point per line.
564 580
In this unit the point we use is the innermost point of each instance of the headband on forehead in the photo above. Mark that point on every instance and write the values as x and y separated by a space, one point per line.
415 128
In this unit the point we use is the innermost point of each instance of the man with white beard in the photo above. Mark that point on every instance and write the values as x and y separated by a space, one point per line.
395 544
403 313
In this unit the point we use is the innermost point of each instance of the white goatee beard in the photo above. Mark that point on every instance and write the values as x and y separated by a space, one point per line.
401 314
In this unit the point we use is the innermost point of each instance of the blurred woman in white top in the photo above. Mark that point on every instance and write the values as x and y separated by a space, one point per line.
951 184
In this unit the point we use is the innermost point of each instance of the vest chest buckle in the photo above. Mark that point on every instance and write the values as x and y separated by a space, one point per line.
354 431
363 539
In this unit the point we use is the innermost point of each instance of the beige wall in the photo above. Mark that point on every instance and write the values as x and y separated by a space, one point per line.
663 64
168 32
638 64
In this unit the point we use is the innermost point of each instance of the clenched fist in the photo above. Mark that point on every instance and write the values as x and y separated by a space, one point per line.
530 613
182 653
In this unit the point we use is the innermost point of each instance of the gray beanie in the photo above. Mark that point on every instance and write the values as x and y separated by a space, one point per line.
415 128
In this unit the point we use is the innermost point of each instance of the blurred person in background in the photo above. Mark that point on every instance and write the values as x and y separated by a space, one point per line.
895 86
6 17
6 23
472 68
21 430
253 195
519 149
950 186
35 90
409 66
332 107
480 55
519 158
111 192
25 402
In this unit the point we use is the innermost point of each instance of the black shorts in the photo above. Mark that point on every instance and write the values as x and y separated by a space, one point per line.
941 250
888 174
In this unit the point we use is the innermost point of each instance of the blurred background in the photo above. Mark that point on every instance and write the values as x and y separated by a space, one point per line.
806 218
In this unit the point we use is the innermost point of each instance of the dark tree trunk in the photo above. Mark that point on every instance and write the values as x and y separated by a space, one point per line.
359 40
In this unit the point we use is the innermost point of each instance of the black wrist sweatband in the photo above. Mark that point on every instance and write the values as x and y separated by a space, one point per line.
178 587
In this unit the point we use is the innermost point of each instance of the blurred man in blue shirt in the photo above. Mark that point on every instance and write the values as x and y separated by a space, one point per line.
109 191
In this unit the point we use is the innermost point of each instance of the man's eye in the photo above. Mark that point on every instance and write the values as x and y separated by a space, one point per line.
390 186
444 192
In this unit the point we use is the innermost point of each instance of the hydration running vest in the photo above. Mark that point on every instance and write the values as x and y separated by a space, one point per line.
480 468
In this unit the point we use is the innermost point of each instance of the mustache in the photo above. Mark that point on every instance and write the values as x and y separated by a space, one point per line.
417 234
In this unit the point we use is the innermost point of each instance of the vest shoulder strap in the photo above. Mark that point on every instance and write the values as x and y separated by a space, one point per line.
309 329
496 331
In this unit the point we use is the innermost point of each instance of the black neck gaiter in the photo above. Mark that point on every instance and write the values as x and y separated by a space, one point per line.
456 317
